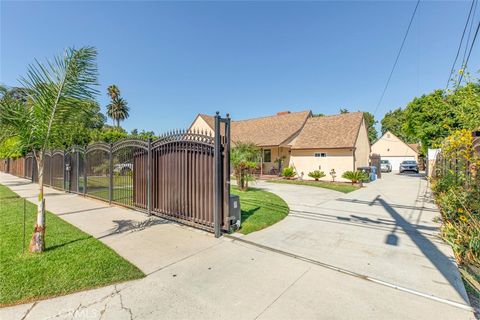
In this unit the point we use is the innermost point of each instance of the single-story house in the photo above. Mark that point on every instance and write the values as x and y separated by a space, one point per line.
303 141
392 148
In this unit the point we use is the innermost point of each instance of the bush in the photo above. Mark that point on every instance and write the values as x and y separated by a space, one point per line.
355 176
456 187
288 173
317 174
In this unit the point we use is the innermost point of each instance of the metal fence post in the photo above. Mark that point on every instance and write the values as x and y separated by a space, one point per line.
149 178
217 208
33 165
110 174
50 170
85 163
77 159
226 163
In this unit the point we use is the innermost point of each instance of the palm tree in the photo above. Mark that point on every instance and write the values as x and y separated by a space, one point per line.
244 158
118 109
113 91
54 90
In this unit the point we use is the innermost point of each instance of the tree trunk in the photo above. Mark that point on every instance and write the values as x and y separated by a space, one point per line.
37 243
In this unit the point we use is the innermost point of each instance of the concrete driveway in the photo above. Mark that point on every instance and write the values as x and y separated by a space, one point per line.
385 231
192 275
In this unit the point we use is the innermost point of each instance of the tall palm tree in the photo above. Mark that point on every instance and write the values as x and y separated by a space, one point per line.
113 91
118 109
54 90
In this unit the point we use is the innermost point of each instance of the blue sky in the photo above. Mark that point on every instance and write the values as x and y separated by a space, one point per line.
173 60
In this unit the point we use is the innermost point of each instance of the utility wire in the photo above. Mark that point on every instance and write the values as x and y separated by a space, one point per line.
468 57
396 59
472 22
460 45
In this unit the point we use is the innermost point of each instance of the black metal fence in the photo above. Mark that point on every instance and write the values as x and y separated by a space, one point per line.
184 175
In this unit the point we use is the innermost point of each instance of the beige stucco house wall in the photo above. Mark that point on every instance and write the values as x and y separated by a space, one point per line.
338 142
393 149
305 161
362 147
307 143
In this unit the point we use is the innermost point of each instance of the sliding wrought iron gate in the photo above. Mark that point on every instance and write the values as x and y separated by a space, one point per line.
184 175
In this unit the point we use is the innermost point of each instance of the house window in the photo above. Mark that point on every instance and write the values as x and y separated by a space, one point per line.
320 154
267 155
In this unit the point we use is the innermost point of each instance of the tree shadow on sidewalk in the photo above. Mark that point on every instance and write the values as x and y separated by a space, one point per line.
123 226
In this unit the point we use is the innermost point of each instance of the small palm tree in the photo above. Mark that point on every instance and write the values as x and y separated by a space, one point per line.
55 92
244 158
118 110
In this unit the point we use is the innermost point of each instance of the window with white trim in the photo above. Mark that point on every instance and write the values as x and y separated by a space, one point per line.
320 154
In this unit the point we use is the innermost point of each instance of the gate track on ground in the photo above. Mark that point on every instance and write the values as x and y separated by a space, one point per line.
353 274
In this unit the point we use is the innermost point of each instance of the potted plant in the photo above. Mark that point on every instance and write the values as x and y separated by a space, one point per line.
317 174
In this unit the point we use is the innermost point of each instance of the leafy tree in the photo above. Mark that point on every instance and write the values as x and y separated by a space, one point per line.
370 123
90 119
343 110
244 158
429 119
145 135
108 134
54 90
432 117
118 108
10 148
318 114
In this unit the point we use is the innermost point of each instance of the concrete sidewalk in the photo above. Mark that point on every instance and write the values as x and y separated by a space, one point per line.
192 275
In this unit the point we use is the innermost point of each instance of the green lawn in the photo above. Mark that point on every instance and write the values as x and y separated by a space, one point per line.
73 260
337 186
260 209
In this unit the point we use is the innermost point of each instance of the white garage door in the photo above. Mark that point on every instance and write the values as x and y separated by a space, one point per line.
395 161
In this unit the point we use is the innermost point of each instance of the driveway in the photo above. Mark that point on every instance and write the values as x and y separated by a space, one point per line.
385 231
192 275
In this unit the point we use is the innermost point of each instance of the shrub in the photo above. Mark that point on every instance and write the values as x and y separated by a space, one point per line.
317 174
288 173
355 176
456 187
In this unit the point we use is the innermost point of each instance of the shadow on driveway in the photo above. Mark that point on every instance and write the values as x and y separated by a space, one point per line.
441 262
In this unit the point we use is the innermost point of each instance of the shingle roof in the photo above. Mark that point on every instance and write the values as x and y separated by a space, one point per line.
266 131
337 131
415 147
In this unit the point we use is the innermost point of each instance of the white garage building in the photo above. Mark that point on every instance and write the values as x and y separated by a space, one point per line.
392 148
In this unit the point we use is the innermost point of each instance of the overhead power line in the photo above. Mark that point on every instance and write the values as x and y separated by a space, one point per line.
468 57
396 59
472 22
460 44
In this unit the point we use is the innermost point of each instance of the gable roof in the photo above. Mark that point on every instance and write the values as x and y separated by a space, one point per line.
414 146
337 131
265 131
